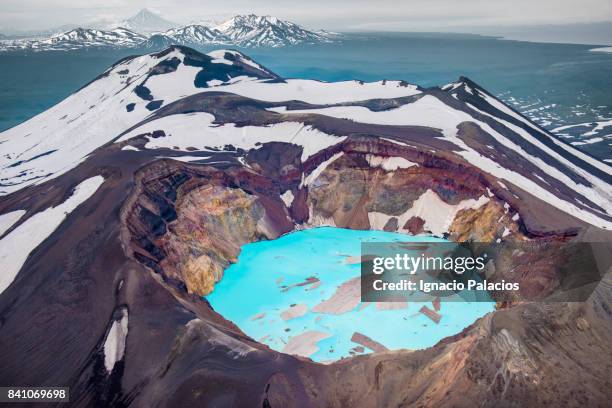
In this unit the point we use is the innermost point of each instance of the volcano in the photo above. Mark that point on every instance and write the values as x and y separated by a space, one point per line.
122 206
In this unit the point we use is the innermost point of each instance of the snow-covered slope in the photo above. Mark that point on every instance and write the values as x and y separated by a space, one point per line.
17 245
61 137
79 38
58 139
432 112
165 99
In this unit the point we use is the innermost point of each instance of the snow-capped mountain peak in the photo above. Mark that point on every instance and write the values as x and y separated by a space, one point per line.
252 31
147 22
248 20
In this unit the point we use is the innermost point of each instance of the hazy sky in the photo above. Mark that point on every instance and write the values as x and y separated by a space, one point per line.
401 15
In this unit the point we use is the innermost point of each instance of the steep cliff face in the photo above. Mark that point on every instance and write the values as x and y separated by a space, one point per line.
487 223
372 191
212 223
188 224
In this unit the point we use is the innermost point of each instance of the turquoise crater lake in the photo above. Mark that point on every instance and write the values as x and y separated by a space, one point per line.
275 290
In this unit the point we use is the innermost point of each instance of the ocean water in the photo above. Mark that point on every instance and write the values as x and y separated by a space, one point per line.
556 85
262 284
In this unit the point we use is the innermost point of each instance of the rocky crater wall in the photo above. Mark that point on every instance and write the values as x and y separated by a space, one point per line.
188 222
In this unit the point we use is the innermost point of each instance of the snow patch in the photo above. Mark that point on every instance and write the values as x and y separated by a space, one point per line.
389 163
319 169
588 141
114 346
185 159
9 219
219 57
599 126
19 243
197 130
601 49
287 198
437 214
319 92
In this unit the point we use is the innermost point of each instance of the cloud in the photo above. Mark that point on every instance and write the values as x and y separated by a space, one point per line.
413 15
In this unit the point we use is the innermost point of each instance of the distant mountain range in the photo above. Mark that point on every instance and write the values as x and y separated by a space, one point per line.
79 38
147 30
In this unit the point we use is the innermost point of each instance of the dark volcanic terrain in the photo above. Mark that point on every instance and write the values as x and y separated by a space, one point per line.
118 216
